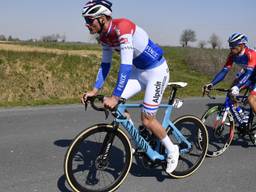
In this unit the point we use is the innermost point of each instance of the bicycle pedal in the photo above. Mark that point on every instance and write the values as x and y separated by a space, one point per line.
138 152
241 133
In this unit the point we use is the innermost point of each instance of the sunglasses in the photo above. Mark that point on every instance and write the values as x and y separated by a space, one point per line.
234 45
89 20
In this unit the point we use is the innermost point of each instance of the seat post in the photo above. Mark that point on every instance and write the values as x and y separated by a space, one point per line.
172 95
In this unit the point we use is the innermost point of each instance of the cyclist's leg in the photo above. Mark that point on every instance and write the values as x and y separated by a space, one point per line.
252 98
156 81
132 87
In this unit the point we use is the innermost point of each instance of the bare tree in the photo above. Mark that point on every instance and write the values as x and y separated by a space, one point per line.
202 44
2 38
63 38
10 38
215 41
186 36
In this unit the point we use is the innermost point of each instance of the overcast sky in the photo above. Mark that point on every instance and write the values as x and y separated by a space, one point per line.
164 20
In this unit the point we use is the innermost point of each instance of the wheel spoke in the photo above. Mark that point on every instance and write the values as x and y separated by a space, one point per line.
220 133
195 134
87 170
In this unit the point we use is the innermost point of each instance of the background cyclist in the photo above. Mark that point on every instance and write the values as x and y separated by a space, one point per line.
245 57
142 67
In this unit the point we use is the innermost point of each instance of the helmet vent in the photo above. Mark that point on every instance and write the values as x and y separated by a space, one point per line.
95 10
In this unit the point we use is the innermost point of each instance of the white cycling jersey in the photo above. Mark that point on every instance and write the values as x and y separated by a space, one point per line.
140 56
133 44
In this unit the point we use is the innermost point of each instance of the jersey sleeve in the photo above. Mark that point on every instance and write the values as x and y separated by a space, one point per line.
107 53
220 76
102 75
249 69
245 77
229 62
124 32
105 66
251 60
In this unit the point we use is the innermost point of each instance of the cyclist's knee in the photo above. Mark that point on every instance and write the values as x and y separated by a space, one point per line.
252 99
147 118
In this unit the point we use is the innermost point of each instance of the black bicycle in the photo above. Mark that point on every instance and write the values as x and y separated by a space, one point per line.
223 121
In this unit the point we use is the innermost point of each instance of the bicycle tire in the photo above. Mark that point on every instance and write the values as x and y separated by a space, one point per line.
197 135
220 135
252 129
84 147
252 134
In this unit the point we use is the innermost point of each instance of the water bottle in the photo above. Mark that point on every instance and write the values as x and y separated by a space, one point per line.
239 110
246 115
242 115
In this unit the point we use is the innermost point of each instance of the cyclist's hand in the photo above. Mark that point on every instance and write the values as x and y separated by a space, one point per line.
88 94
110 102
235 91
206 88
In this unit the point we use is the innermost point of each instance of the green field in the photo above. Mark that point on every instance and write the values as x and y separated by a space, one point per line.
36 78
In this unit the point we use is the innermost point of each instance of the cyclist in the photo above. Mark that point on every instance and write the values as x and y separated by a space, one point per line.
142 67
245 57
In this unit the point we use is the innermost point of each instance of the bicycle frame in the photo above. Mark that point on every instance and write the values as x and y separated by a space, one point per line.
141 143
228 105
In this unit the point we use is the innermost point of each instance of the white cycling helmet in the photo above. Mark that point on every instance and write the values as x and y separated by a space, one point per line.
96 8
237 39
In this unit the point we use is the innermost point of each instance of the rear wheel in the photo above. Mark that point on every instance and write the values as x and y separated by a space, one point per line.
192 142
252 127
91 166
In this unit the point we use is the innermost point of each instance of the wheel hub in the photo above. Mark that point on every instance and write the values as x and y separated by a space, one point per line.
101 163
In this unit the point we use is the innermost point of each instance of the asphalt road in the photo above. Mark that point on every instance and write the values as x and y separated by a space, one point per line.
33 142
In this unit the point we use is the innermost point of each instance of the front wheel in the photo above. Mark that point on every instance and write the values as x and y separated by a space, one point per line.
220 131
192 138
98 159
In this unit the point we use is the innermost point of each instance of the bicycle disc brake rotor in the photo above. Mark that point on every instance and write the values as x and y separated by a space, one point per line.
100 163
218 131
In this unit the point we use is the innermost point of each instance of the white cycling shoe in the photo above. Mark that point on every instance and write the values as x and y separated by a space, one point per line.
172 160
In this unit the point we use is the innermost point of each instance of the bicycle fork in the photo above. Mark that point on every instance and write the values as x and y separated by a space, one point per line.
222 119
106 145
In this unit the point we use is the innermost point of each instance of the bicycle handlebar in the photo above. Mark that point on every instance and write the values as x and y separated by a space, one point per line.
228 91
221 90
216 89
100 98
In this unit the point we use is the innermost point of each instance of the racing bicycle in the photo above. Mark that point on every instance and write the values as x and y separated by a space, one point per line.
100 157
224 121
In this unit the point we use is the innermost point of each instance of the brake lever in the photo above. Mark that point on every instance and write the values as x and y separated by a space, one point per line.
85 106
211 97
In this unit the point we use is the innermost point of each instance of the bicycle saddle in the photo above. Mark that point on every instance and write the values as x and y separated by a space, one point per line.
178 84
